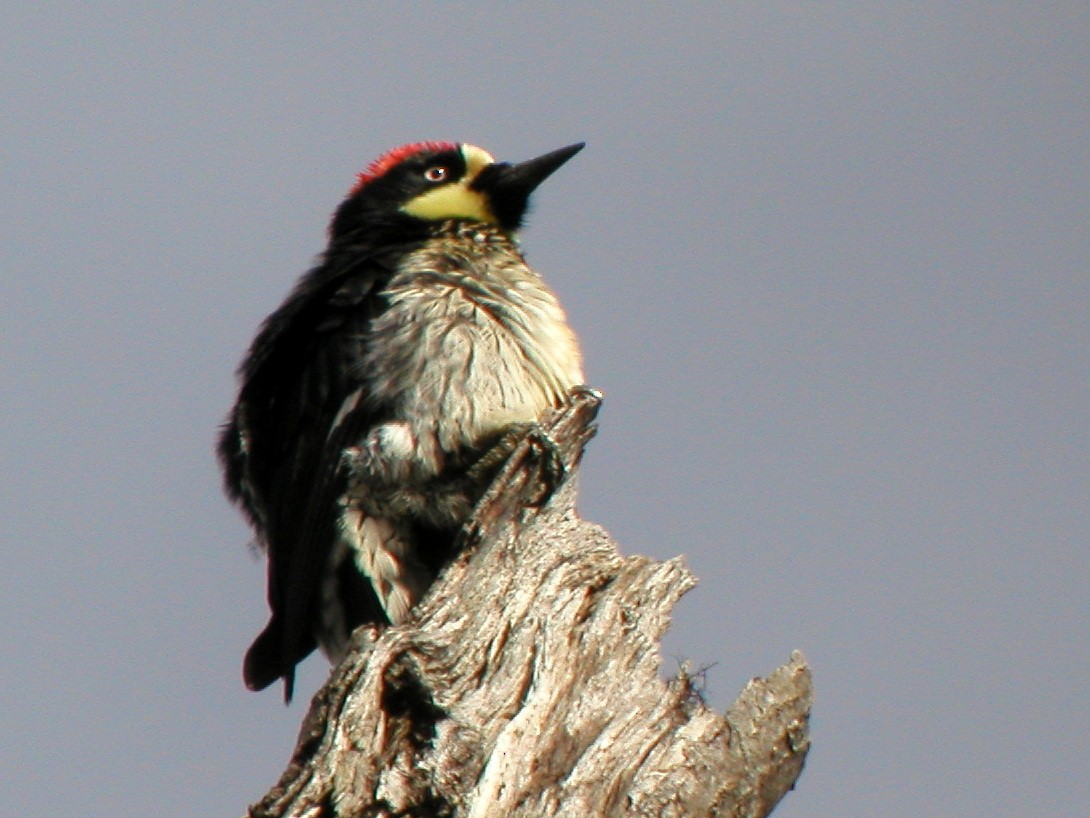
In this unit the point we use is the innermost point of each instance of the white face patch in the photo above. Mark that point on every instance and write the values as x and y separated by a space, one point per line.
457 200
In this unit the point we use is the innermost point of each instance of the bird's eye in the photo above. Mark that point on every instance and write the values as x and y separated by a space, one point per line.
436 174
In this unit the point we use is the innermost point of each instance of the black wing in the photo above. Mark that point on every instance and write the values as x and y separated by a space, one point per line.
281 455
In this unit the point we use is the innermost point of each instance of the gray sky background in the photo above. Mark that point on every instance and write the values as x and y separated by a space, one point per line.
828 263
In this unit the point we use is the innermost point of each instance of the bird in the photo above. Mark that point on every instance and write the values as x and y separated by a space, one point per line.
376 402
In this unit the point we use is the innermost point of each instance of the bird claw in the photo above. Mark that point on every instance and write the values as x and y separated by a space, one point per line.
543 450
546 451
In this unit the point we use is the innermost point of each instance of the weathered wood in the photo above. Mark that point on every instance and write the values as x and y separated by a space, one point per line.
527 684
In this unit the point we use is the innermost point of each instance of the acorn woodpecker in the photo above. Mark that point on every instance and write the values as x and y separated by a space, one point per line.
372 399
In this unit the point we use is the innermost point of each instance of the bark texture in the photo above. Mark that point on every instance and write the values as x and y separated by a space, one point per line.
527 683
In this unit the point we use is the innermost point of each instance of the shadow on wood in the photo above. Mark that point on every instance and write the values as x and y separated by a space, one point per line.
527 683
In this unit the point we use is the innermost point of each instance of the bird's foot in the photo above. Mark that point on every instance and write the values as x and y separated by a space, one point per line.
546 451
543 450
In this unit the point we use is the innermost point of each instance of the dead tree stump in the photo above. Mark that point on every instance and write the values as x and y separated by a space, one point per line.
527 684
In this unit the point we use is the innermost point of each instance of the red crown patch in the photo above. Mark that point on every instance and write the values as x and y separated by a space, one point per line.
395 157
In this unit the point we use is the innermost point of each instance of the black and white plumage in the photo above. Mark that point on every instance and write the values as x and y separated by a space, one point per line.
369 398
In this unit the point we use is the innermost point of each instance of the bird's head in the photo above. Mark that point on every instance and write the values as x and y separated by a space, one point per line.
437 181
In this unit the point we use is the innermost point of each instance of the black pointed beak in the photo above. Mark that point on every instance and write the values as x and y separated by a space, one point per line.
508 186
